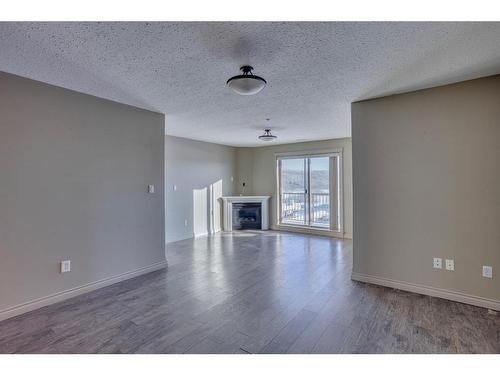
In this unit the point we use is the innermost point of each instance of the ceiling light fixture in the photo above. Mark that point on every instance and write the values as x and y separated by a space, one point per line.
246 83
267 136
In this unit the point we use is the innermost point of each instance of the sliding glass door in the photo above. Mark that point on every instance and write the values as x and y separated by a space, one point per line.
319 187
308 191
294 191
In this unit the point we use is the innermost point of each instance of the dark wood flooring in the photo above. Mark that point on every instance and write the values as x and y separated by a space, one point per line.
253 292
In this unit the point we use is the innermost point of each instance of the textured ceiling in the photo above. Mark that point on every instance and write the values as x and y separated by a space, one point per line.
314 70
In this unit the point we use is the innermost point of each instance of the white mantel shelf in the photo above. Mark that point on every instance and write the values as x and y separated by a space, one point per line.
228 208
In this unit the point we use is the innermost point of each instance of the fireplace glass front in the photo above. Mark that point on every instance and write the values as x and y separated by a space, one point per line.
247 216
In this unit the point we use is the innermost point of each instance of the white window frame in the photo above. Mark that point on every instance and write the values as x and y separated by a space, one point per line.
331 153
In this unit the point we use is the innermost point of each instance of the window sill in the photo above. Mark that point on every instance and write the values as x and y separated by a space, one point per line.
310 230
306 227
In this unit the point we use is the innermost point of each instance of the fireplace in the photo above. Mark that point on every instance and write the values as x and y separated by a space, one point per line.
247 215
246 212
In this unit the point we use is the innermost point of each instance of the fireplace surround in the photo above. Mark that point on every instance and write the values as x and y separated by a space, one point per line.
246 212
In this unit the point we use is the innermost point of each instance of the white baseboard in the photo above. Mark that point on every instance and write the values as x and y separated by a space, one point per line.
73 292
202 234
429 291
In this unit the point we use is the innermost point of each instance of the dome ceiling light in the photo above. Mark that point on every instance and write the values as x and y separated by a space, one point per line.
246 83
267 136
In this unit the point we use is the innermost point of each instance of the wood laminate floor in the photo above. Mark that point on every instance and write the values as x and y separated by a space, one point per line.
253 292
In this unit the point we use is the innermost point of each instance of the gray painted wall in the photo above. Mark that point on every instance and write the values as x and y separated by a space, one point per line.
427 184
74 171
257 167
202 172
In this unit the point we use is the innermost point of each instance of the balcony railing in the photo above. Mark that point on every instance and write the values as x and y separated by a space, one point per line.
320 208
294 209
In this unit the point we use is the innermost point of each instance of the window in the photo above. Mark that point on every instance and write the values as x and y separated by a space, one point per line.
309 190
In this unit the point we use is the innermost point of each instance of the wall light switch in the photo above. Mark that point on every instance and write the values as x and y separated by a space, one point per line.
488 271
450 264
151 189
185 223
65 266
437 263
175 187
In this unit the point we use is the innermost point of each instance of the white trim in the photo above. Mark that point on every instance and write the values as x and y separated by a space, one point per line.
340 189
338 154
309 230
429 291
73 292
292 154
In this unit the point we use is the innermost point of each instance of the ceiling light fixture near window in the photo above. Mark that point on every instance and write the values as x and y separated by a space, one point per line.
246 83
267 136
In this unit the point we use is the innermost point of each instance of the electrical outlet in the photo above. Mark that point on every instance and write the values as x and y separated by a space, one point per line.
174 187
488 272
450 264
151 189
65 266
185 223
438 263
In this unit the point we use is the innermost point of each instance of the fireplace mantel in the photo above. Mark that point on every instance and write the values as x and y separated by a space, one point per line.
228 209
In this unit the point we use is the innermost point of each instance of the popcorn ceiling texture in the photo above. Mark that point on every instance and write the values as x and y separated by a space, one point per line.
314 70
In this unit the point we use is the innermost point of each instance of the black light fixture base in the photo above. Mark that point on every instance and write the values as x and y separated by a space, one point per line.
246 69
267 136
